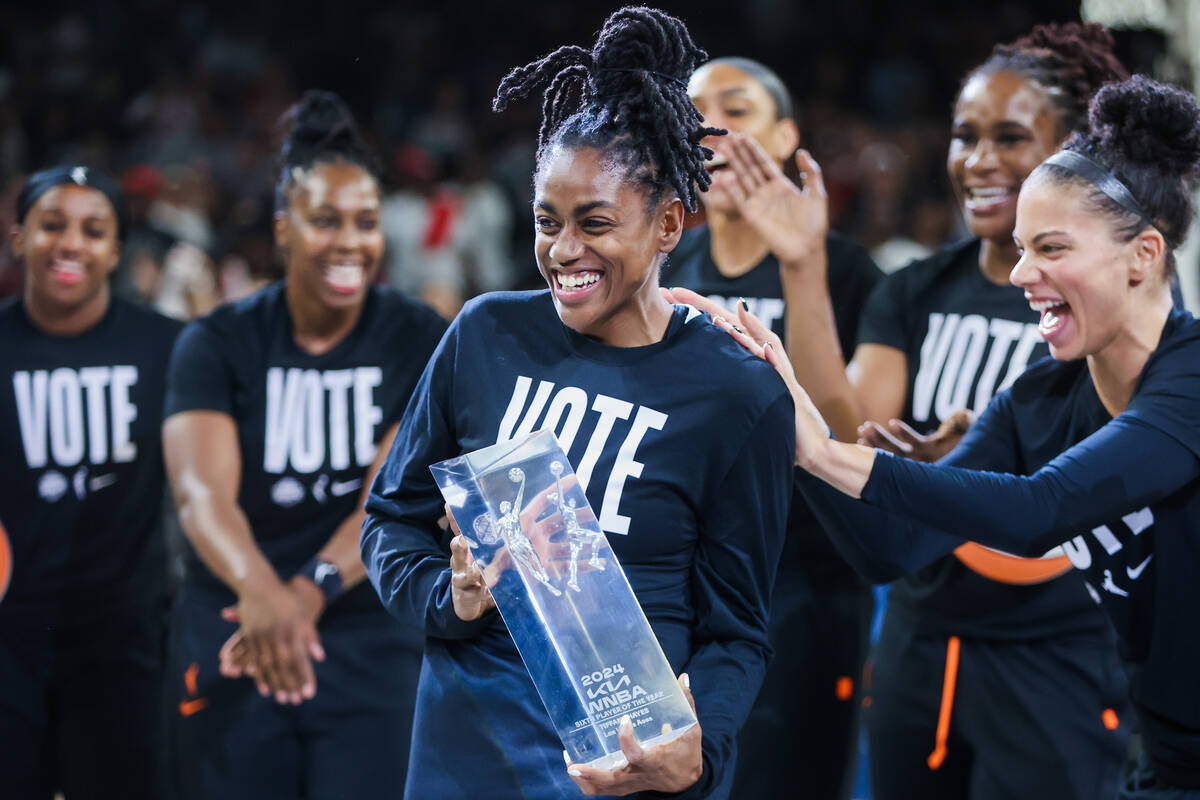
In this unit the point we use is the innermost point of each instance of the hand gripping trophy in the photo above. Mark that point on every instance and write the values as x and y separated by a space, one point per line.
577 535
518 543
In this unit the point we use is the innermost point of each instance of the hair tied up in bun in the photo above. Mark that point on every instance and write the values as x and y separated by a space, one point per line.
319 129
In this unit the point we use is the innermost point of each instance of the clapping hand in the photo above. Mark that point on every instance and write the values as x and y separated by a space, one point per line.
790 219
277 640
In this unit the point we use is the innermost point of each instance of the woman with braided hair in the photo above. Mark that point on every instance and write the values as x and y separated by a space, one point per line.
672 434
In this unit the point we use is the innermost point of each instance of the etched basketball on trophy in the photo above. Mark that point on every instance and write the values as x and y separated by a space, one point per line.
564 597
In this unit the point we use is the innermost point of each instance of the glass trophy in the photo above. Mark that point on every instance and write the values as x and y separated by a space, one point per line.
564 597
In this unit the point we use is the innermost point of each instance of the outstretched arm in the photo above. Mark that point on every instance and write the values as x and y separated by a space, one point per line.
1125 466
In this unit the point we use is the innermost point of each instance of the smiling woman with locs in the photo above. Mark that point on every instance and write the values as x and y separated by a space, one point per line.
686 473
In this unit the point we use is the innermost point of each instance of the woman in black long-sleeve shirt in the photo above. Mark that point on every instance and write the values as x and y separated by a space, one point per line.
1097 449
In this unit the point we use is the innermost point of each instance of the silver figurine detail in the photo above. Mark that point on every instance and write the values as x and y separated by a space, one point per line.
577 536
518 543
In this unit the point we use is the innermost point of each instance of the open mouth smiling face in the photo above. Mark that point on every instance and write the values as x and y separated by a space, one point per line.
598 245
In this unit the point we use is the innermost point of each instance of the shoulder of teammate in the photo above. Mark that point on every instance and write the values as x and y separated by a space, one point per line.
10 312
243 321
509 310
8 305
159 329
740 381
914 278
203 361
1167 395
849 260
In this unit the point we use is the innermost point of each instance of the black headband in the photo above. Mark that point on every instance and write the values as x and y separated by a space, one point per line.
41 182
1108 184
656 73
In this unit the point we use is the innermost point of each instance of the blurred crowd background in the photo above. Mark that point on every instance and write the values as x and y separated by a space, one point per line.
180 101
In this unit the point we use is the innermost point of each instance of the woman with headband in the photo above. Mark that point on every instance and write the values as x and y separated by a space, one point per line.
1097 449
685 467
82 380
964 680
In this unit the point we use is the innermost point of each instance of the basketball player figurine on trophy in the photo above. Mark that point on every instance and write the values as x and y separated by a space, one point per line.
576 536
518 543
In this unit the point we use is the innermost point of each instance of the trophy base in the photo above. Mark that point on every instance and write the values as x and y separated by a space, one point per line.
617 760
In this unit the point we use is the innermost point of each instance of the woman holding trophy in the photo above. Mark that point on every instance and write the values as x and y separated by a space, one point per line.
673 432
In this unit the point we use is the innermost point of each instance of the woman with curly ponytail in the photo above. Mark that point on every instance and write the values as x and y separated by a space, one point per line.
964 683
1096 449
673 433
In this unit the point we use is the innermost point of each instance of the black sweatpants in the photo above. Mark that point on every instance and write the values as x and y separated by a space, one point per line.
81 707
1143 784
800 738
1041 720
349 742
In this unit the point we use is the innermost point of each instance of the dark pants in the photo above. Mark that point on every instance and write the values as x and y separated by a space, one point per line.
350 741
81 710
800 738
1031 720
1143 784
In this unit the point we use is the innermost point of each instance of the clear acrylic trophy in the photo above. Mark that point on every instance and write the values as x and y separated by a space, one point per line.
564 597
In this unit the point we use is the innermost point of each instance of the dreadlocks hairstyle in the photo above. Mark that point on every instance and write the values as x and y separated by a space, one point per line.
1072 61
320 130
626 97
1147 136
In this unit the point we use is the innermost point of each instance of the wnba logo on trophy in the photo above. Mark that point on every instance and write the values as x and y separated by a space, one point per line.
5 561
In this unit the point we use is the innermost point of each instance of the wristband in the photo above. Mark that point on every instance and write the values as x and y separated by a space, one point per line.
325 575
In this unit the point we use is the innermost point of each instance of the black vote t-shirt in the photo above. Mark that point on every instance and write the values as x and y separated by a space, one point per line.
81 499
308 425
966 339
852 276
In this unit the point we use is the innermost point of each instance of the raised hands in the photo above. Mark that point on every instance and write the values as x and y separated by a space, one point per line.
792 221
